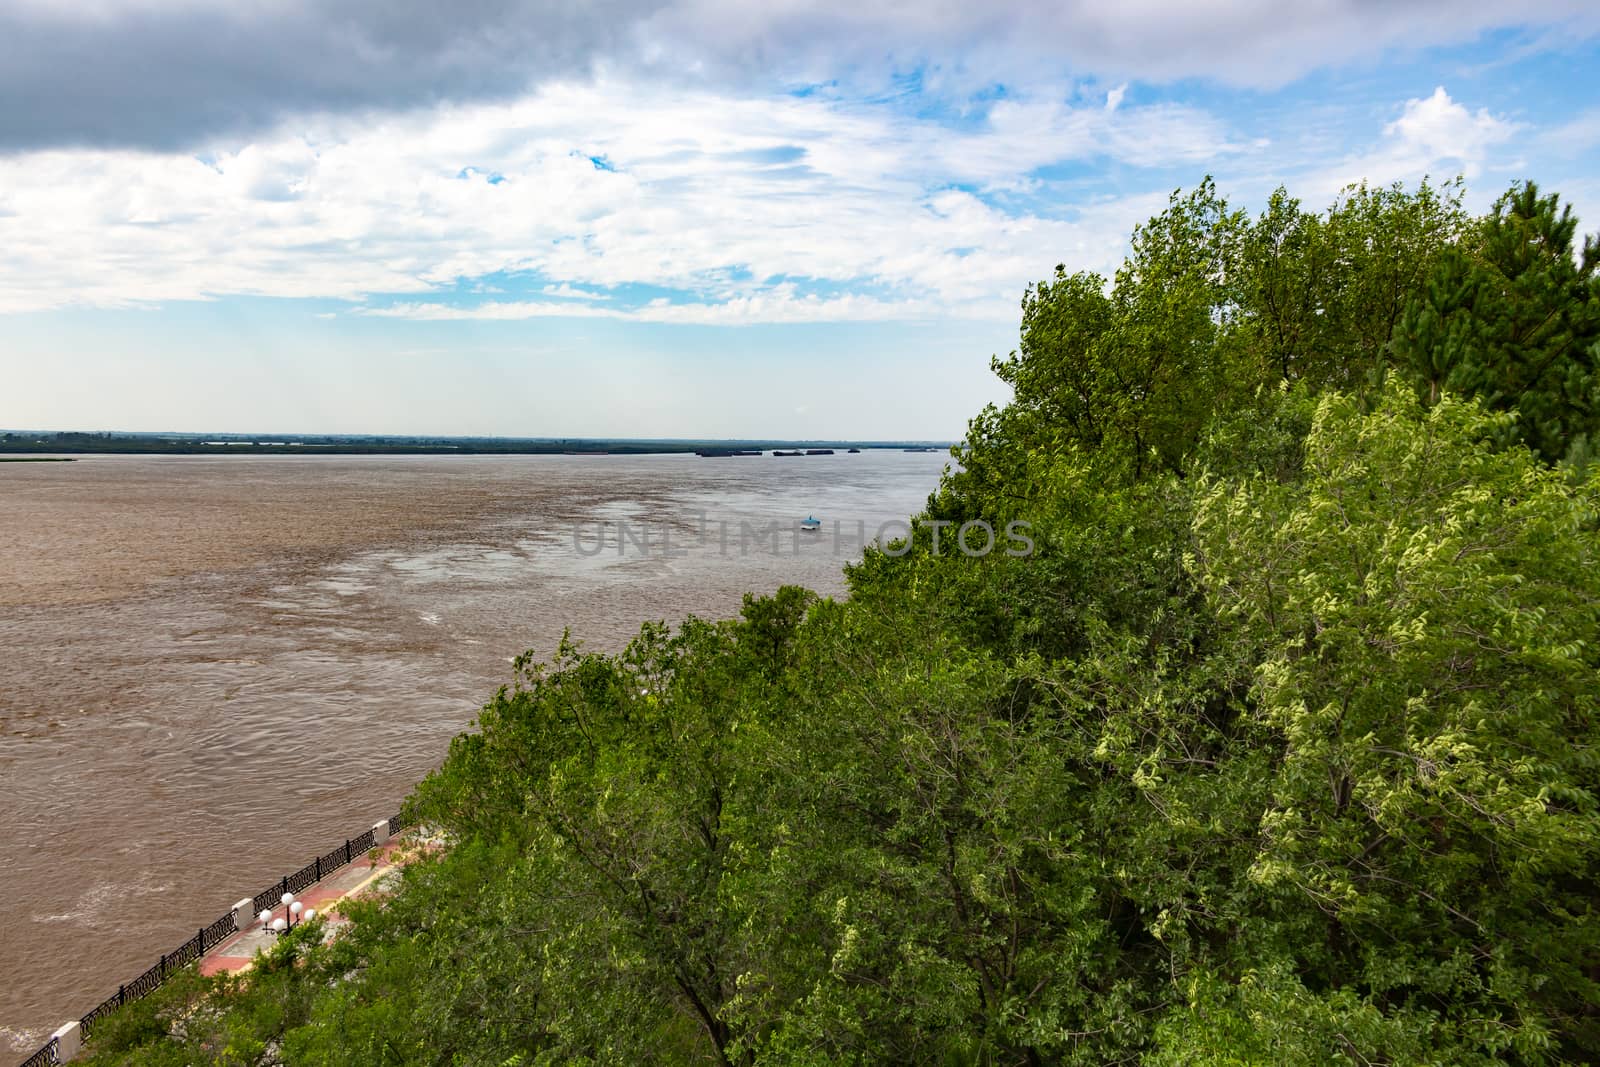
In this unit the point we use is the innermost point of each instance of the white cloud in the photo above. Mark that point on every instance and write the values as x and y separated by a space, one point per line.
778 305
1434 135
722 198
1440 128
567 292
750 209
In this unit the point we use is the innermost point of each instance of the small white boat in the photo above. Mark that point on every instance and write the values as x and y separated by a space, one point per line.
810 524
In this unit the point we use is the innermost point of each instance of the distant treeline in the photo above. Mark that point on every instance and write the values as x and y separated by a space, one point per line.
341 444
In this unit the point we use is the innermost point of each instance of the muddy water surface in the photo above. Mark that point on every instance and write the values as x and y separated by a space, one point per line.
212 669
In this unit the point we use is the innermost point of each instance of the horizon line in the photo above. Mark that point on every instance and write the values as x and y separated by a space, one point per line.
278 436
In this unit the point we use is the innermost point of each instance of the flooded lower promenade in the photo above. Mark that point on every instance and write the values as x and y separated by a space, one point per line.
211 669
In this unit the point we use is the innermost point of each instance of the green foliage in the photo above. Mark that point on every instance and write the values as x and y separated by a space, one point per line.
1513 318
235 1021
1279 749
1209 309
1381 245
1425 647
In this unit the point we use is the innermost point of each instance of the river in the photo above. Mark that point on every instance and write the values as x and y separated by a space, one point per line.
214 668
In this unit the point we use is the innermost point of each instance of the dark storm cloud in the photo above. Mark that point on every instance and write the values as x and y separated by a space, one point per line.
167 77
172 74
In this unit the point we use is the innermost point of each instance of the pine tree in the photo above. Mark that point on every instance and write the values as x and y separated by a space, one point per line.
1513 318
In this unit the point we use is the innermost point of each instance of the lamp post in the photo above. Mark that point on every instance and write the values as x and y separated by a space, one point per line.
293 911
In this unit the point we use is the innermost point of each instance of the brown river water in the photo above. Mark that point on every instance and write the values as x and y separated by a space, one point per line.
214 668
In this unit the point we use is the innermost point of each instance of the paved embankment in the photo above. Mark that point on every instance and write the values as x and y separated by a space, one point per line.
363 876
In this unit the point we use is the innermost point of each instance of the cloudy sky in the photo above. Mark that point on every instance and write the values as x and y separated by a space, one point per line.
675 217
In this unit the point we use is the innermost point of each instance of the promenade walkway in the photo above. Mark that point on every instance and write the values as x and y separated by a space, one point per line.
243 934
365 875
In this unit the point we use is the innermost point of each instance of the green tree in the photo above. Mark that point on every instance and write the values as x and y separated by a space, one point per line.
1513 318
1383 243
1322 295
1426 627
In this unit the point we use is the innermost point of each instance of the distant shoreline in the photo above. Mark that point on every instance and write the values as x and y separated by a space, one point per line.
36 459
32 444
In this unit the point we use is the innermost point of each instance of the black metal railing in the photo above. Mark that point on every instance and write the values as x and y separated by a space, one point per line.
45 1056
209 937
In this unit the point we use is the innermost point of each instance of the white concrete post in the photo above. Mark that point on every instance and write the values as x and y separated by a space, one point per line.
242 914
380 831
69 1041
